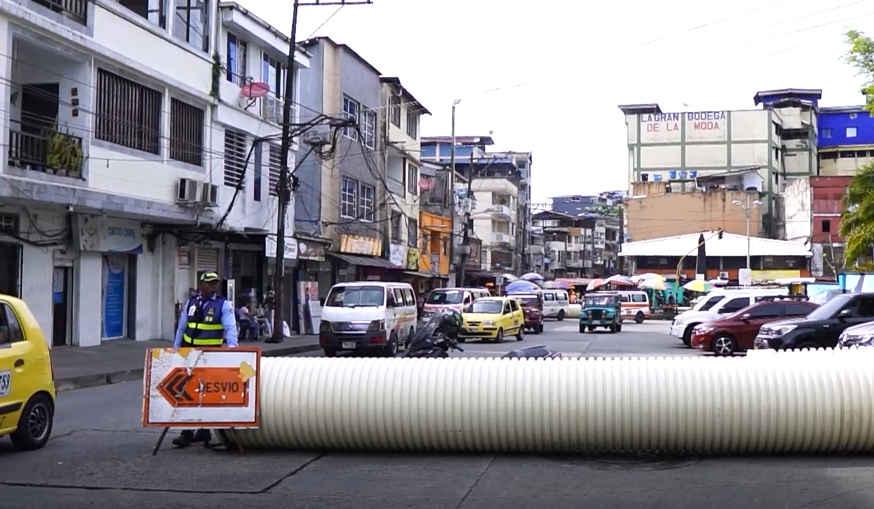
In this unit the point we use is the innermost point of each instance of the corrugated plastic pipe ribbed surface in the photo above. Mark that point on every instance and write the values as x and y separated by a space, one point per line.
786 402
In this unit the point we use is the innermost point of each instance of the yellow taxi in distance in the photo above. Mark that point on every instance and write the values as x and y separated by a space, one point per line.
27 385
493 318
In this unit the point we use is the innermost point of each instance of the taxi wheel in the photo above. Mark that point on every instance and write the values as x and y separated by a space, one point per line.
561 315
521 335
724 345
499 337
638 318
35 424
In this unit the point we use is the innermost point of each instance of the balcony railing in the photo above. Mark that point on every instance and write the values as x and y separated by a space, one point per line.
47 151
74 9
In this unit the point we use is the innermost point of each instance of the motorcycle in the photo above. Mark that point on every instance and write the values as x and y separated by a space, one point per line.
533 352
429 342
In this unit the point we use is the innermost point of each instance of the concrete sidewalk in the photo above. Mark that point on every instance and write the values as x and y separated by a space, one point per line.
123 360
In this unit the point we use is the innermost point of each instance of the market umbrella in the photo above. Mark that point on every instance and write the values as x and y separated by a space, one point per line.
619 280
558 284
652 284
521 286
648 276
532 276
509 278
699 285
593 284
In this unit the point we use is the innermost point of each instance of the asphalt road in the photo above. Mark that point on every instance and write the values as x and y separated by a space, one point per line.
100 457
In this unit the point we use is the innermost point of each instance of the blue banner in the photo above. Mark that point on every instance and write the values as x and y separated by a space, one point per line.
114 295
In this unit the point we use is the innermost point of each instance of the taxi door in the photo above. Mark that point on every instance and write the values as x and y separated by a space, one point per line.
16 363
518 314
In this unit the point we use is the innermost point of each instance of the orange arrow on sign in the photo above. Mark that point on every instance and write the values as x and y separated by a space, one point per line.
205 387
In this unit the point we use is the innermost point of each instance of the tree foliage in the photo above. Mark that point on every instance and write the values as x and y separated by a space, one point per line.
857 226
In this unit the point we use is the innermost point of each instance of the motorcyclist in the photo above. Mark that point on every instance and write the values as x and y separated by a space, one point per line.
450 323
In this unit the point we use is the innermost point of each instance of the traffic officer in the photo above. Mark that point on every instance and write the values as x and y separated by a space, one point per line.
207 320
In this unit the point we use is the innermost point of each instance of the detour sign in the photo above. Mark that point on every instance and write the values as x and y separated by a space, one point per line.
213 387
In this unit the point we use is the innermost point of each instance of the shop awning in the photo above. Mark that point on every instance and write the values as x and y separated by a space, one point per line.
479 274
365 261
427 275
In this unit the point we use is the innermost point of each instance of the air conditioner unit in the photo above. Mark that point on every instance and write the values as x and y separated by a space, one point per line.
186 191
271 109
208 194
723 275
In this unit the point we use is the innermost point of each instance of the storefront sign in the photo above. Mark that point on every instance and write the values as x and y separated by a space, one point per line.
668 127
360 245
290 247
107 234
398 255
770 275
114 295
309 250
413 259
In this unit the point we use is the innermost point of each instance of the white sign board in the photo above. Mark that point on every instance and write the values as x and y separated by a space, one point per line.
744 277
290 247
202 388
698 126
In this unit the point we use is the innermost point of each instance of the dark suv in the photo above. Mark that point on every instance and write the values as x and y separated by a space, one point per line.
737 331
822 327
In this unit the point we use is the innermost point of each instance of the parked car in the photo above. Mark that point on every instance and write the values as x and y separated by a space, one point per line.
737 332
493 318
857 335
532 307
27 381
822 328
716 306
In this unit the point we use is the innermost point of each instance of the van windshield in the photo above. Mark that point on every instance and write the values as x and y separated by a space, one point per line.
355 296
446 297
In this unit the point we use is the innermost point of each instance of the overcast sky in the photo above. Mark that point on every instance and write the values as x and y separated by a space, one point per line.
560 68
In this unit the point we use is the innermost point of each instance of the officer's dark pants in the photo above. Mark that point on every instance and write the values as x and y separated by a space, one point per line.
189 437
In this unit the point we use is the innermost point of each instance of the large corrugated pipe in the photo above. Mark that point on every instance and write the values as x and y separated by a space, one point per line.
783 402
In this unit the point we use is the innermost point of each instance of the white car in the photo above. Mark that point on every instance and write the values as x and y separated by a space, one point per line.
714 306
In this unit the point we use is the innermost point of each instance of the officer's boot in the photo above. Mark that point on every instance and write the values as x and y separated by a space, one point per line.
184 439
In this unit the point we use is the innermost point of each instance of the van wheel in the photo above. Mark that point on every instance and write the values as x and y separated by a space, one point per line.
407 342
35 424
638 318
561 315
391 349
499 337
687 335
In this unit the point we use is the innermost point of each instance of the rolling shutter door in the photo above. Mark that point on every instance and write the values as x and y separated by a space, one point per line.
206 258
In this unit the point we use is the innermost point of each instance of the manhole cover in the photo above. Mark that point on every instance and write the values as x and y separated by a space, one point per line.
639 461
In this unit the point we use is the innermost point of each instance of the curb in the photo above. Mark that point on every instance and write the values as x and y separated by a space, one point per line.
130 375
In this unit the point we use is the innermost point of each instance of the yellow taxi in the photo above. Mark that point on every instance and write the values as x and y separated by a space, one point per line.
493 318
27 386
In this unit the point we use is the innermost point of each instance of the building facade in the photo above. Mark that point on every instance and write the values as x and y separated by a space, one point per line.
678 148
113 182
578 246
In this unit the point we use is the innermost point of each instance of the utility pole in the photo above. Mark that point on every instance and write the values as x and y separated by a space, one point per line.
284 192
465 242
458 281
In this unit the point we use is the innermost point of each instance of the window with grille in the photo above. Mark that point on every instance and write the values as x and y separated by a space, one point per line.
351 110
348 198
396 226
127 113
413 232
367 202
395 110
413 124
235 158
368 128
412 179
274 168
186 133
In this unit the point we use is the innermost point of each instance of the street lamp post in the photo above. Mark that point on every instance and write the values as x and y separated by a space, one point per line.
748 210
452 194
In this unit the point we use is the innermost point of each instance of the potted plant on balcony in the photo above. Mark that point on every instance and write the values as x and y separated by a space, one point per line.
64 154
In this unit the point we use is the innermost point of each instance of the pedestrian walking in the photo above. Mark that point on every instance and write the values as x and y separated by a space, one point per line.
207 320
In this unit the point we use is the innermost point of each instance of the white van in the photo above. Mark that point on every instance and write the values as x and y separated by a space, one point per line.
556 304
455 298
716 304
635 305
368 316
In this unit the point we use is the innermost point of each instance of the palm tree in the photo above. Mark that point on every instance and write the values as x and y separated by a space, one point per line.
857 226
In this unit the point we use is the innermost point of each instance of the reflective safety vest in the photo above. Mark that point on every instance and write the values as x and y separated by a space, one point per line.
204 326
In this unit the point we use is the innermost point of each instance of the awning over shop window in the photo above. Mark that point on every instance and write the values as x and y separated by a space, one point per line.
427 275
365 261
479 274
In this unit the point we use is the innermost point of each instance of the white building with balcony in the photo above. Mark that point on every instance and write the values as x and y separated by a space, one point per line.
494 212
115 114
401 135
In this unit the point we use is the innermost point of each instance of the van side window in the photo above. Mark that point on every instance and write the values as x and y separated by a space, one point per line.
548 296
409 297
626 298
399 297
638 297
